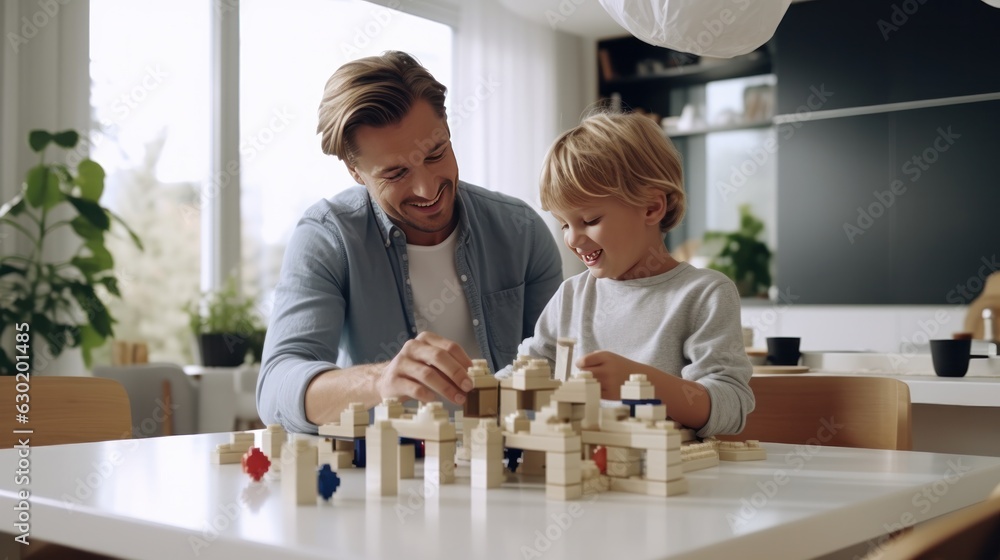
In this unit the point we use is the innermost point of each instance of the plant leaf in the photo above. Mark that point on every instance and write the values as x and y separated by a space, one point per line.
43 187
100 254
87 266
132 234
66 138
13 207
92 305
90 179
92 211
6 269
90 339
39 139
86 230
111 284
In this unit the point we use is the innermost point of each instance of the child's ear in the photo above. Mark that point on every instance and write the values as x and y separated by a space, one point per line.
656 208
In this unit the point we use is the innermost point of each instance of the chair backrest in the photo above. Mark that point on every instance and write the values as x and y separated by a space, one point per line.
871 412
971 532
153 412
65 410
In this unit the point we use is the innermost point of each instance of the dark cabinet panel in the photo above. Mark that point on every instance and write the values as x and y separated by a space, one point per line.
826 171
894 208
871 52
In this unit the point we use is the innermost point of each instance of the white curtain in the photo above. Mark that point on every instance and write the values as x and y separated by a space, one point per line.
517 86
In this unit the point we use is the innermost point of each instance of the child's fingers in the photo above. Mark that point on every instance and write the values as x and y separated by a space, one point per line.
591 360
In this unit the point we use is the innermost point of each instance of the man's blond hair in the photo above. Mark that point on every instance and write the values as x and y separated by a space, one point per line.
376 91
614 155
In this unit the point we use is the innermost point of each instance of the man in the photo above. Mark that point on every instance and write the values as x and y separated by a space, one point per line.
391 289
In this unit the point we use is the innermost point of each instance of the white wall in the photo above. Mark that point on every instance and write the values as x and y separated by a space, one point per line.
875 328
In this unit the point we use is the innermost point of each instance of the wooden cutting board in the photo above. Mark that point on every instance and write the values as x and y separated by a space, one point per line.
989 297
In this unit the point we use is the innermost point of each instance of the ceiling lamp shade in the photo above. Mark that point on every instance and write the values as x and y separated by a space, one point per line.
716 28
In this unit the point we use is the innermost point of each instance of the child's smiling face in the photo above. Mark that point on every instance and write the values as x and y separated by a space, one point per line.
617 240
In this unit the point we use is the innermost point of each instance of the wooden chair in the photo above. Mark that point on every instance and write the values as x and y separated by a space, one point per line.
871 412
972 532
66 410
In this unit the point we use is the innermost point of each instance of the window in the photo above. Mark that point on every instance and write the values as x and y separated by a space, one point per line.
150 103
286 57
151 99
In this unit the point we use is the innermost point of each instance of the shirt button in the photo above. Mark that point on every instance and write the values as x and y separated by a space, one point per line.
464 278
406 257
414 329
395 233
475 322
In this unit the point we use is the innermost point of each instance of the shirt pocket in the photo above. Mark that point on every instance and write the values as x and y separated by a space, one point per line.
505 320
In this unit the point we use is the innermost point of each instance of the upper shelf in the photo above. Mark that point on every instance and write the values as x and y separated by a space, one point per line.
720 128
750 65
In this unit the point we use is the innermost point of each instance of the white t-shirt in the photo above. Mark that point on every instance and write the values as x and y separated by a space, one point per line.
439 301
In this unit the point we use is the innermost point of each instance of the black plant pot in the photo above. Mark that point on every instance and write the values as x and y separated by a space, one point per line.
222 349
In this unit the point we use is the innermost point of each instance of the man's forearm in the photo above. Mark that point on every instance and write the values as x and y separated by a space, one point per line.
330 392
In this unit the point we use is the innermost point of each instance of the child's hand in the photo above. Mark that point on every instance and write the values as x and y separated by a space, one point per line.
611 370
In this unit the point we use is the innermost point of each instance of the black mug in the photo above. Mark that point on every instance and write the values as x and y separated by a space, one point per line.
783 350
951 357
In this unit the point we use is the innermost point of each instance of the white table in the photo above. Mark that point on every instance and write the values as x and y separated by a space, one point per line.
161 498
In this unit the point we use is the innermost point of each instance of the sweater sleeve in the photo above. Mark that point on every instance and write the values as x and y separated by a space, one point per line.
719 361
543 343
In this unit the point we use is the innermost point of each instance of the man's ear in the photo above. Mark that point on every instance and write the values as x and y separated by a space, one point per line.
656 208
354 173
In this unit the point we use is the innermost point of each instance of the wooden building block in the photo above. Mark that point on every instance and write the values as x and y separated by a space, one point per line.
298 472
382 463
388 409
407 460
740 451
563 493
564 359
650 487
637 388
272 439
487 455
439 462
651 412
482 403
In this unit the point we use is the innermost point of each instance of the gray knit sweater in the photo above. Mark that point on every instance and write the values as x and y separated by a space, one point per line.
684 322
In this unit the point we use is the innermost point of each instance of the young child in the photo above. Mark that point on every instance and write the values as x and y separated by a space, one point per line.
615 184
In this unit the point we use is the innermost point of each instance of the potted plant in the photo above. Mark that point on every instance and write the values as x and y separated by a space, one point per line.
225 324
55 302
741 256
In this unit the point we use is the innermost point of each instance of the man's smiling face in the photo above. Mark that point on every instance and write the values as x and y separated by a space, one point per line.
409 168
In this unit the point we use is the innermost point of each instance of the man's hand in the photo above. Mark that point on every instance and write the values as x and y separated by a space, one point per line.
611 370
426 365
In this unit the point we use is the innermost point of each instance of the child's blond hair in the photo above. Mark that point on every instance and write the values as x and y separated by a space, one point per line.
614 155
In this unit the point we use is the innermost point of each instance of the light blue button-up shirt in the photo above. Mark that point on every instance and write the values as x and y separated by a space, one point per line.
344 296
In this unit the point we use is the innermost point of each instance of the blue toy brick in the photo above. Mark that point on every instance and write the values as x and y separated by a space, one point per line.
327 482
360 453
512 456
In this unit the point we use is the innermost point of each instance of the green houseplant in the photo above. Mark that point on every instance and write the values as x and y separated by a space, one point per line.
226 324
58 301
741 256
